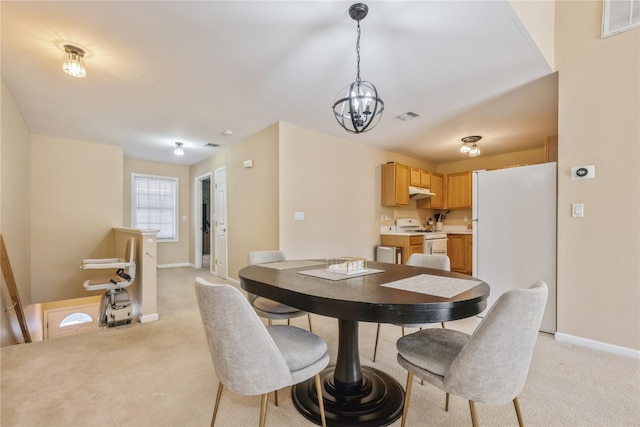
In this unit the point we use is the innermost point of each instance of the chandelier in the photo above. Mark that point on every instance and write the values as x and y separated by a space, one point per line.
358 108
470 146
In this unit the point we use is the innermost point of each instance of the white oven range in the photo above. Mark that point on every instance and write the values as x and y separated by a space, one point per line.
435 243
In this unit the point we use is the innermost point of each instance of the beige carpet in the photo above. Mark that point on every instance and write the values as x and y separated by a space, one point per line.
160 374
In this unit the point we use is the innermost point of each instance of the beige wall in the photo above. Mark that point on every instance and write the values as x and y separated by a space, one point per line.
336 183
252 196
15 206
520 158
599 106
169 253
539 18
76 199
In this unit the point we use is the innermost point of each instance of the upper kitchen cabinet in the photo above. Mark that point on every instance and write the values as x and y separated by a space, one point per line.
395 184
459 190
436 185
419 178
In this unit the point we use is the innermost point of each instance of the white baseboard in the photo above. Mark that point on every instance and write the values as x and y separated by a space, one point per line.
598 345
148 318
178 264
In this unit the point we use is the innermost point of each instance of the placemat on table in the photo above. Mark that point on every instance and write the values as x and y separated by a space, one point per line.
440 286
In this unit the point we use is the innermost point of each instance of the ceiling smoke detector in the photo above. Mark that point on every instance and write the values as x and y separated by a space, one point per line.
407 116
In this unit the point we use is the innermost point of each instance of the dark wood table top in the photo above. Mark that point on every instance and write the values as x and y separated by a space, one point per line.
362 298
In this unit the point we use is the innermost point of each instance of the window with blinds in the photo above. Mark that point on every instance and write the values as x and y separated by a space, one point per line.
154 204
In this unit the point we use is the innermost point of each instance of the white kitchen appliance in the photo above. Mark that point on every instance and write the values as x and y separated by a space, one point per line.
434 242
514 231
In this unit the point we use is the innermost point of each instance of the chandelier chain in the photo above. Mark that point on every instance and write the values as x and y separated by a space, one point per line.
358 53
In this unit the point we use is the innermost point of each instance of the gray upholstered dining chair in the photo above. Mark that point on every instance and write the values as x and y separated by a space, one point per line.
491 365
250 358
269 309
440 262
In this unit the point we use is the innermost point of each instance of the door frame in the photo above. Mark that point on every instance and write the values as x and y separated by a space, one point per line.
197 232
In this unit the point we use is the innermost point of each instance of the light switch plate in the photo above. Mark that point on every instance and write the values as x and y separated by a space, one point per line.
577 210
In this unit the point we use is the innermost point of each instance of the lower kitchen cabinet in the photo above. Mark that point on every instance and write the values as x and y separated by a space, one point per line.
459 250
409 244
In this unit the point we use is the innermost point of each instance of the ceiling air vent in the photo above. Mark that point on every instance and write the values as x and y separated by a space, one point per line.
211 144
407 116
619 16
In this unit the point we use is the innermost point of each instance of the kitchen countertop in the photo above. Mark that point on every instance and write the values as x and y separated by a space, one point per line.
457 229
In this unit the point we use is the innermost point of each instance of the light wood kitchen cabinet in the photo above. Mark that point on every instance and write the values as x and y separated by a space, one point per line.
459 190
409 244
459 250
419 177
414 177
436 185
425 179
395 184
468 259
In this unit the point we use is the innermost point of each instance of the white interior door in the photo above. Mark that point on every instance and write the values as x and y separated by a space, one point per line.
220 221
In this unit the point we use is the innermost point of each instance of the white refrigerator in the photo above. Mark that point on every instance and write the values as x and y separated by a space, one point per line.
514 231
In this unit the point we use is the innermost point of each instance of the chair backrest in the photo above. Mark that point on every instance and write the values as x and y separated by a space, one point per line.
441 262
492 367
263 257
245 357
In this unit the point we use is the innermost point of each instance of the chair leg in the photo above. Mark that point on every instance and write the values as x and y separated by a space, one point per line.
403 331
442 323
446 403
270 322
474 416
516 404
375 347
288 322
215 407
310 327
320 400
263 409
407 395
276 393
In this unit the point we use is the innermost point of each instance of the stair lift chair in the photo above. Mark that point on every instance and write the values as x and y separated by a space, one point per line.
115 307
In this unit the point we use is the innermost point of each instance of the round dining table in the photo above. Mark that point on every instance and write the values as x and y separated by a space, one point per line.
356 395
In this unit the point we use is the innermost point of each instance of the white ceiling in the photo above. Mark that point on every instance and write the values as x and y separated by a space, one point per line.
166 71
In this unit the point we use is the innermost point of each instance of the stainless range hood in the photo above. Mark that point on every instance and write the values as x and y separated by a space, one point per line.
419 193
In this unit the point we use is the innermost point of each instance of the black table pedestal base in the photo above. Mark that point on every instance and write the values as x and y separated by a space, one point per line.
376 402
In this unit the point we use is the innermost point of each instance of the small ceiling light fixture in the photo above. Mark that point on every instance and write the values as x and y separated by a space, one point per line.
73 63
178 151
357 107
470 146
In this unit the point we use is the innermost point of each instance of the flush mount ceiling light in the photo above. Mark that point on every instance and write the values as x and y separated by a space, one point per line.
178 151
357 107
73 63
470 146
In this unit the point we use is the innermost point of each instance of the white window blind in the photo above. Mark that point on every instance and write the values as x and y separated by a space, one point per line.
154 204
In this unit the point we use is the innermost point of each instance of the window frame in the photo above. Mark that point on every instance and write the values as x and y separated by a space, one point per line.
134 203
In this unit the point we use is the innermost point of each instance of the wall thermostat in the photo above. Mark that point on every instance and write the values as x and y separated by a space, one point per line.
583 172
